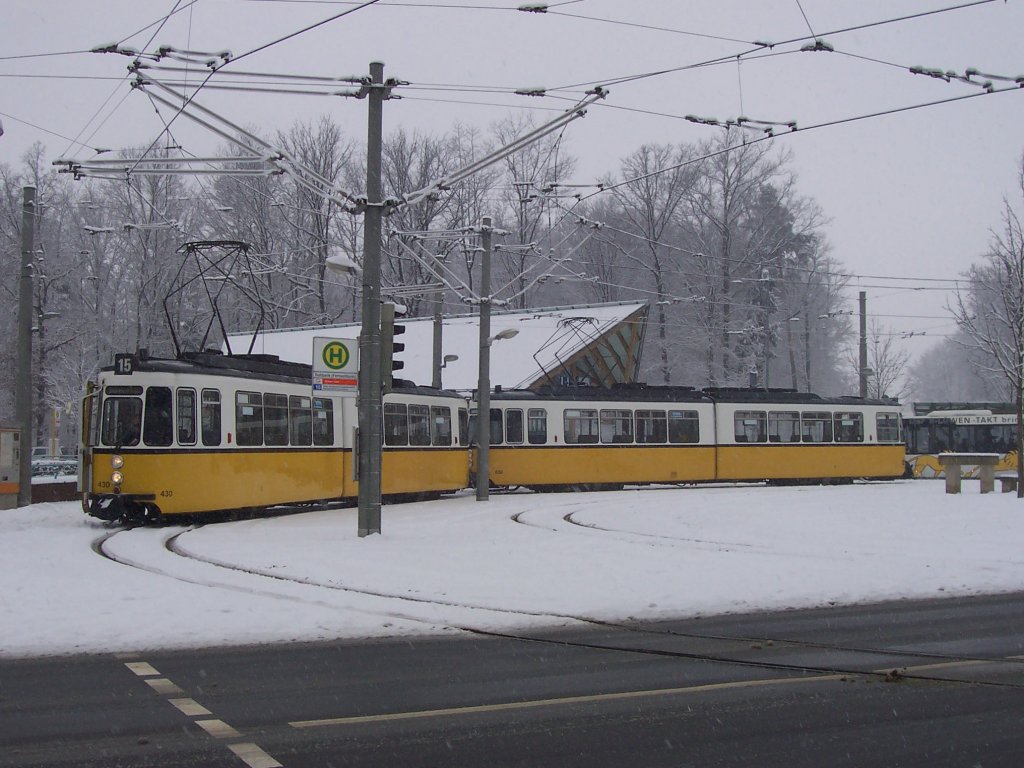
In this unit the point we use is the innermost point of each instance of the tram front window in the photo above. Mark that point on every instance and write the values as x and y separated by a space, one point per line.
122 421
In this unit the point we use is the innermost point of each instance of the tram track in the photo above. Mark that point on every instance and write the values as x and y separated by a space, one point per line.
171 544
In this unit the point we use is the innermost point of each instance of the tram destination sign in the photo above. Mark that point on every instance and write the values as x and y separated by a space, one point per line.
335 364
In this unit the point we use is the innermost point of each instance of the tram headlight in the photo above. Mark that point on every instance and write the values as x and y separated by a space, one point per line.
116 461
116 477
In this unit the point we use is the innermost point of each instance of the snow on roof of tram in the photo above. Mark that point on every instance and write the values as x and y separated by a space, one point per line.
544 337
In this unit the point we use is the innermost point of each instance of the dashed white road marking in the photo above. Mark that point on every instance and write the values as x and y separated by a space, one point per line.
163 686
190 707
247 752
141 668
253 756
218 729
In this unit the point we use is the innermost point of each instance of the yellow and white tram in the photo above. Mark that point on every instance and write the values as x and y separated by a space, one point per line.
209 432
586 439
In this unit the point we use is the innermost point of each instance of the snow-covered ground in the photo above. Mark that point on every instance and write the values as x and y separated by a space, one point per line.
517 560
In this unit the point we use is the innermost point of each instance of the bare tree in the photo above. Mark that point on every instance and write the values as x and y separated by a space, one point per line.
311 212
887 361
655 180
526 211
991 311
732 217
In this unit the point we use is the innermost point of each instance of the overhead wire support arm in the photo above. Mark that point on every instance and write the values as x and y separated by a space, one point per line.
452 281
767 126
350 93
761 126
353 79
967 77
972 72
210 59
264 87
274 155
576 112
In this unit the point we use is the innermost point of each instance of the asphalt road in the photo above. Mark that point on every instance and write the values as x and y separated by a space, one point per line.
937 683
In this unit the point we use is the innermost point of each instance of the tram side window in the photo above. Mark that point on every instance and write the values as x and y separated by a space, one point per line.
513 426
441 425
816 427
463 426
209 417
300 420
683 427
186 417
887 427
783 427
616 426
419 425
750 427
323 421
396 424
157 428
581 426
497 427
849 427
651 427
122 421
249 418
537 426
275 419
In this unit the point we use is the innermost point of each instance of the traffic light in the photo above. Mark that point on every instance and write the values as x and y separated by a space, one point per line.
388 346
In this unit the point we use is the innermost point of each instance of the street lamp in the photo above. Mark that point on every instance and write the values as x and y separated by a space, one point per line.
444 364
341 264
483 412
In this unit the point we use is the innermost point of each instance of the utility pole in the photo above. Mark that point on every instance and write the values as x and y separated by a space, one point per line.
483 390
23 390
765 296
371 398
863 373
438 359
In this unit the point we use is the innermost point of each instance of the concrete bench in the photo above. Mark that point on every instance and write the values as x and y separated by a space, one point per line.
953 462
1007 483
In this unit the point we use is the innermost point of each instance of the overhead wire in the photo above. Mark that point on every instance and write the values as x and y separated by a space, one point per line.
833 122
761 45
806 128
160 25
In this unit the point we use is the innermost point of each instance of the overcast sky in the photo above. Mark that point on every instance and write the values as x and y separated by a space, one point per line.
911 194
